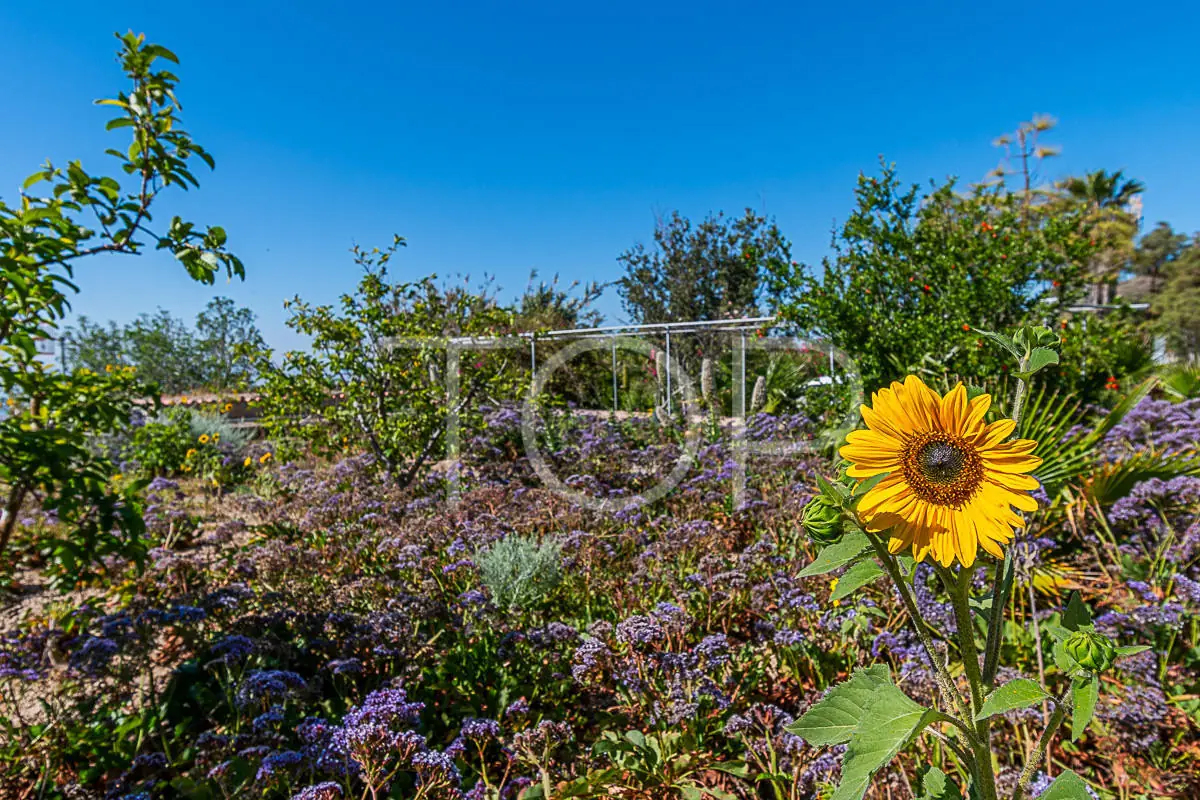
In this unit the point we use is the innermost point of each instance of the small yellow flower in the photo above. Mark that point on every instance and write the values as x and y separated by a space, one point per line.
108 367
10 402
246 463
216 437
833 588
117 477
264 458
191 452
203 438
183 398
227 408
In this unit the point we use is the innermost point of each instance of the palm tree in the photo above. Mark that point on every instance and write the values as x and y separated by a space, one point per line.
1103 190
1107 197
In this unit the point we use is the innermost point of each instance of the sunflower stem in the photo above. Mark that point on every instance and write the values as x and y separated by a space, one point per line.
959 588
1043 743
991 648
941 674
1019 394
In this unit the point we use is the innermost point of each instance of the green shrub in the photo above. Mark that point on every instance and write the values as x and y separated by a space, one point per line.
519 571
160 446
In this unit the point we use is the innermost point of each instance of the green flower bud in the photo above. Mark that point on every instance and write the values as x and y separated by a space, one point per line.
822 520
1092 651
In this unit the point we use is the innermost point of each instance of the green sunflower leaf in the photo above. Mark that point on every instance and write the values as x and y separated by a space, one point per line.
856 577
1131 650
1021 693
853 544
833 492
1067 786
1084 694
867 485
936 786
834 718
890 721
1077 616
1003 341
1040 358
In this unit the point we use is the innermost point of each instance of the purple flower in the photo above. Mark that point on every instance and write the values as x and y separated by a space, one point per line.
640 630
480 730
517 708
436 769
270 684
345 666
233 649
283 761
95 654
321 791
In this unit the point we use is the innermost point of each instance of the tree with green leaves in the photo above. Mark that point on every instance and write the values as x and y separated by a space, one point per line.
227 336
381 374
1179 304
710 270
914 271
216 355
1155 253
63 216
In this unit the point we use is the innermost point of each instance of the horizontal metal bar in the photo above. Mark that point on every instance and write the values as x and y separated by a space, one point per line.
748 322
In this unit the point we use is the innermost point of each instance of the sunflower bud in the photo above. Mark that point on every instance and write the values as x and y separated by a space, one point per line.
822 520
1092 651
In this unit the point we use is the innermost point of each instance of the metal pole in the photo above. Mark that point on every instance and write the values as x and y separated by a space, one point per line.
743 375
532 359
614 372
668 363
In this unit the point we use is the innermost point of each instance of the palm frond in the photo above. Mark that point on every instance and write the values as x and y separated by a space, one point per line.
1182 382
1049 418
1111 482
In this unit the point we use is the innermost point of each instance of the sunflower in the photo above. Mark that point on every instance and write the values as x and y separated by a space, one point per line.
950 479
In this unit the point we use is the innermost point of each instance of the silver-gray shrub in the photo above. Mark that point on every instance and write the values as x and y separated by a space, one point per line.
518 571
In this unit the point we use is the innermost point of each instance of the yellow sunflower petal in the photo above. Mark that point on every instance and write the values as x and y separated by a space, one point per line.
953 409
995 433
974 424
1011 463
1013 480
888 495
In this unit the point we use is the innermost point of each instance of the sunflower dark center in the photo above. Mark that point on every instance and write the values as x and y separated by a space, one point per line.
941 462
941 468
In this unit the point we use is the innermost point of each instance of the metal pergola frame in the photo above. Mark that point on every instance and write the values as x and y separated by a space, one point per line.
734 325
741 324
738 325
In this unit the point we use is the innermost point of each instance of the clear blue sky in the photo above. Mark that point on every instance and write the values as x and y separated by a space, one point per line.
501 137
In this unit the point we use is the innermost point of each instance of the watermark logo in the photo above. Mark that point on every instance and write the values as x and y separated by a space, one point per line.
681 399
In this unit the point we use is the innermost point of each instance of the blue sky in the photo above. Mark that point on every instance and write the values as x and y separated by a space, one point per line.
503 137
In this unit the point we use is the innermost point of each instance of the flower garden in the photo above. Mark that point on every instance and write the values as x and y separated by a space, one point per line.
987 586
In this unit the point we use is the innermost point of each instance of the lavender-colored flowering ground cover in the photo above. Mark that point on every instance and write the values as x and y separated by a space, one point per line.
333 638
